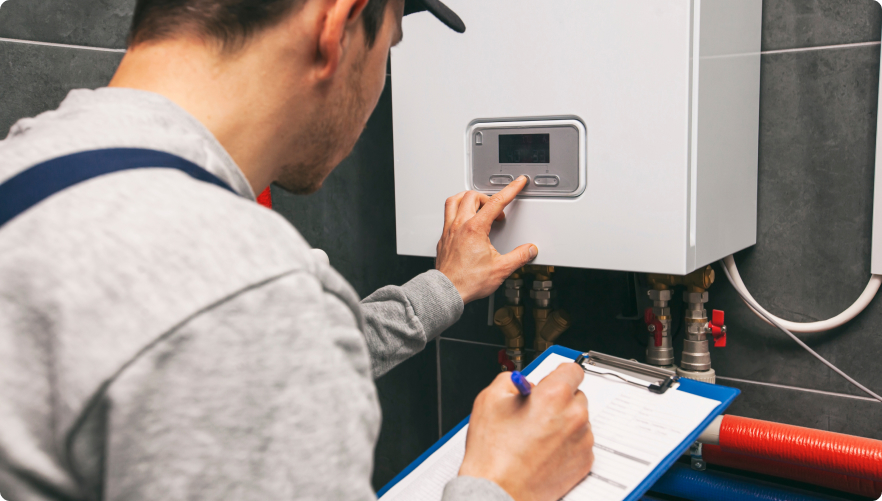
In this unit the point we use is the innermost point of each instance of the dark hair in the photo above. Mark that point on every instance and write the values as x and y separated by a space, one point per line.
230 22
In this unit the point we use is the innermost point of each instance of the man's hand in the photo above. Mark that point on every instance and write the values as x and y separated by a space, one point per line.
536 448
465 254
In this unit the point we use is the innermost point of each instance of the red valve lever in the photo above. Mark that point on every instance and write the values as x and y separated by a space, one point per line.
649 318
718 328
504 361
659 333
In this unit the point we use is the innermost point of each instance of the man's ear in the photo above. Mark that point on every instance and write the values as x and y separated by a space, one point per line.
339 25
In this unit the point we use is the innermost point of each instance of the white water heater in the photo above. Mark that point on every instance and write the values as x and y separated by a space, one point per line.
635 120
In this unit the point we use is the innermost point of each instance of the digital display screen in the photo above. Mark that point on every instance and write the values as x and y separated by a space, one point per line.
524 148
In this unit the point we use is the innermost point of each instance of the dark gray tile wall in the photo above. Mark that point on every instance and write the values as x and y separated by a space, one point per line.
789 24
817 142
812 258
35 78
853 416
94 23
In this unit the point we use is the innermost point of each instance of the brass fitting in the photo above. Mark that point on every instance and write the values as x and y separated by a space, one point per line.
540 317
508 319
697 281
538 270
550 327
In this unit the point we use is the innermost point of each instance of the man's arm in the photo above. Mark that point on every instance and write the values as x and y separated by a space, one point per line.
399 321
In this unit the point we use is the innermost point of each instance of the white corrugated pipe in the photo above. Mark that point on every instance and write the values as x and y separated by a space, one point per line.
711 434
823 325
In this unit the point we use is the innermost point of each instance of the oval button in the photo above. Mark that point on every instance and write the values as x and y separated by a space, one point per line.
547 181
501 179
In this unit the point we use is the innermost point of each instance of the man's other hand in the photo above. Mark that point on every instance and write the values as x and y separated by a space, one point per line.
536 448
465 254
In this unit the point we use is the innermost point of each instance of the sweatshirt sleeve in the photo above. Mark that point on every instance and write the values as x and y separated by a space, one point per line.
399 321
474 489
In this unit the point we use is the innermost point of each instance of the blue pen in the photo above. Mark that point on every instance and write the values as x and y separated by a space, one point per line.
521 383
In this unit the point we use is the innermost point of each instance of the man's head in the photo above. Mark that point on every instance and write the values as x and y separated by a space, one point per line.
286 86
226 22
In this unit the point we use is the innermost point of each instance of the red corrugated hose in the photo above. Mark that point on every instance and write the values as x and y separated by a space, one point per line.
843 462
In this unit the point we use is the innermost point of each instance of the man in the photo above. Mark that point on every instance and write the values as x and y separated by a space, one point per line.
164 338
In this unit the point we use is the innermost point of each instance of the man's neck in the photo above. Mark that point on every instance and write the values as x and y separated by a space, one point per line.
220 91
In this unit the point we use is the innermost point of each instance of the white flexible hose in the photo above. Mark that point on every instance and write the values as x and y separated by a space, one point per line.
823 325
773 320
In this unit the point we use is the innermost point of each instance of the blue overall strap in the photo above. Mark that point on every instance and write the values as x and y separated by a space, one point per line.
32 186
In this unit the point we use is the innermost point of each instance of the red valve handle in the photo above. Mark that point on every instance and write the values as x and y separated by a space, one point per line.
718 318
504 361
659 332
649 318
718 328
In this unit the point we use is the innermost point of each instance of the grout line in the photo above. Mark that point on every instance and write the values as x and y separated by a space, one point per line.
797 388
472 342
821 47
438 378
64 46
765 52
526 350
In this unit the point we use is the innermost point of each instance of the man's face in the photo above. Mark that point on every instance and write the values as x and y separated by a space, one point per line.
348 103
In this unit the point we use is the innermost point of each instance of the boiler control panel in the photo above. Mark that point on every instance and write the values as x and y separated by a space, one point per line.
550 152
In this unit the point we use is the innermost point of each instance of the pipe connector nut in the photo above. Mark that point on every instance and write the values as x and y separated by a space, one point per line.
696 314
542 295
514 283
695 297
542 284
658 295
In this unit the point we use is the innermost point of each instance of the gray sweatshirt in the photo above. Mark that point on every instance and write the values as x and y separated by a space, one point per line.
162 338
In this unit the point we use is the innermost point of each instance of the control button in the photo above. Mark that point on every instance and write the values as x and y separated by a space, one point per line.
479 138
501 179
547 181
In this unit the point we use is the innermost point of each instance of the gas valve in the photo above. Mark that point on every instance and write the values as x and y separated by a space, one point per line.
718 328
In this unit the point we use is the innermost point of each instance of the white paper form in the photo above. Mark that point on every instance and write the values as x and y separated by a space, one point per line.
634 430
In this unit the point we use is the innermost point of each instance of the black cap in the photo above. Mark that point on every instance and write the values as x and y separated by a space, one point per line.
441 11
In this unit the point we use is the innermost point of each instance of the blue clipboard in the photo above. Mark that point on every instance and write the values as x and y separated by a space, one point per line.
722 394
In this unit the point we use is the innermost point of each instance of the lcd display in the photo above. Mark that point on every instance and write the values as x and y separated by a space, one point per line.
524 149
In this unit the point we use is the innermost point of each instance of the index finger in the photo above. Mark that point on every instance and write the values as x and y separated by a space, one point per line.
494 207
568 374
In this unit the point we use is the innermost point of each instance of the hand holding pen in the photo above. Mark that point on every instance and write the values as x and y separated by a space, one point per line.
553 446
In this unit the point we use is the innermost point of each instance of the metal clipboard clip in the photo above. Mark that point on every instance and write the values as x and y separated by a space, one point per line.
654 379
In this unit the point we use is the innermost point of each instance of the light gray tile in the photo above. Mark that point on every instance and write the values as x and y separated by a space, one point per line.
791 24
95 23
36 78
